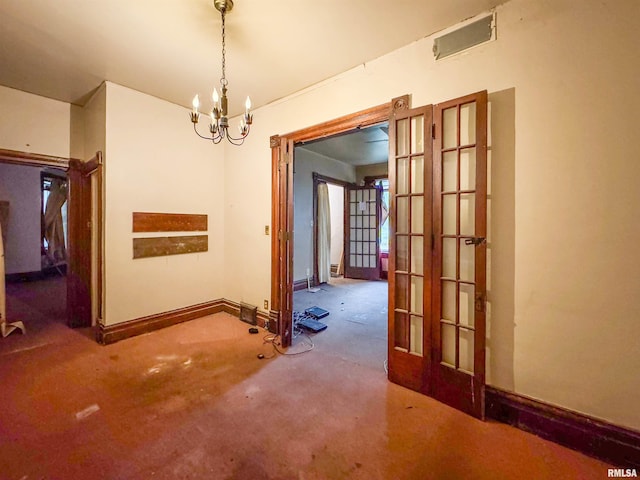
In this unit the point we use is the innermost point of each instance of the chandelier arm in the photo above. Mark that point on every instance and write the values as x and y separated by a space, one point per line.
241 138
218 137
235 141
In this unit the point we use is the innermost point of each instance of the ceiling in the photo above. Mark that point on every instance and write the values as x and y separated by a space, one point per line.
359 147
64 49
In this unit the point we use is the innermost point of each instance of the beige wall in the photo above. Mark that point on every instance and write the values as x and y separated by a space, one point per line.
30 123
374 170
564 284
155 163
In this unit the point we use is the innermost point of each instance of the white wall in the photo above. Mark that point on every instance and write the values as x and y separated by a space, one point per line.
336 205
155 163
20 186
564 284
305 163
30 123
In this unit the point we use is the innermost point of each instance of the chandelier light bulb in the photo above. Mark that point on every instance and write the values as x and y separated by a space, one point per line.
195 103
247 104
216 97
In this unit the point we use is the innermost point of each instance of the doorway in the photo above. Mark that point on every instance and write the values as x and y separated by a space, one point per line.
437 259
336 246
68 226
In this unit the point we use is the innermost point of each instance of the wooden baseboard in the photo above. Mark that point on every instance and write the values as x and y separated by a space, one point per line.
613 444
114 333
60 270
274 317
300 284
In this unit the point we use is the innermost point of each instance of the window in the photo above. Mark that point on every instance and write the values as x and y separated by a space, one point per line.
54 225
384 228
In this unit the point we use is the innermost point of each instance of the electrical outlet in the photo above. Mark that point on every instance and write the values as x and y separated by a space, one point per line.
266 229
266 304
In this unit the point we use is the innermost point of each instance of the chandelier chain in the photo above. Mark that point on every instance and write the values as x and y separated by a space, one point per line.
223 80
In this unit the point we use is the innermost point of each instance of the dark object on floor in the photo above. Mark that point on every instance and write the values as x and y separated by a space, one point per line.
316 312
253 330
260 356
311 324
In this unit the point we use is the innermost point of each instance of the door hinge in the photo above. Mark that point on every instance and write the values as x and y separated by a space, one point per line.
282 235
433 131
480 302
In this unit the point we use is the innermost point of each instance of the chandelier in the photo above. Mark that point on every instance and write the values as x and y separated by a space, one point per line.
219 122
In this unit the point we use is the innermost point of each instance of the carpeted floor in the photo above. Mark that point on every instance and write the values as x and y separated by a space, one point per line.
357 320
193 401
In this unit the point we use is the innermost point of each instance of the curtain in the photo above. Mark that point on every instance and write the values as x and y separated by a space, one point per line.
53 225
324 234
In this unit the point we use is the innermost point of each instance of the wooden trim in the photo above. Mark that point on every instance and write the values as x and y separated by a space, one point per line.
169 222
107 334
34 159
274 142
114 333
280 207
369 180
616 445
273 319
302 284
361 119
318 178
162 246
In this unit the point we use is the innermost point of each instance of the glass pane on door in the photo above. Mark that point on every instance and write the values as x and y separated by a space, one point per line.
408 164
457 233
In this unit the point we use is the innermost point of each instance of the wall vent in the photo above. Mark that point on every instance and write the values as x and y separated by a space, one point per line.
470 35
248 313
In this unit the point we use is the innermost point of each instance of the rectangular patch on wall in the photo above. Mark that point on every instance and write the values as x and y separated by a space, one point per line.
169 222
162 246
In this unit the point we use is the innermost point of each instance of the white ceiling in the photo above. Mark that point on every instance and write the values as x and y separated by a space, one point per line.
64 49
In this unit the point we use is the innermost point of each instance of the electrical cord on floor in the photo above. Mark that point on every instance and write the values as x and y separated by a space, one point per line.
385 364
273 340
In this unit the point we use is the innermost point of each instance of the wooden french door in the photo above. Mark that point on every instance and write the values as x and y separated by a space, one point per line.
437 261
361 244
459 268
410 242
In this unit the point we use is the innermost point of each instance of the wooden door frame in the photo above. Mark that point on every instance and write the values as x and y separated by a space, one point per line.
78 217
317 180
280 208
